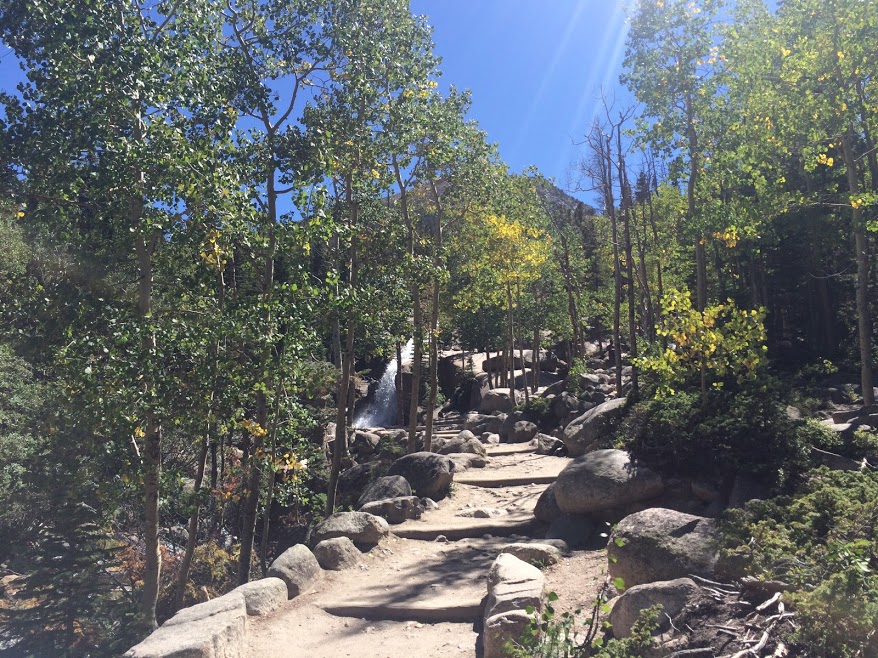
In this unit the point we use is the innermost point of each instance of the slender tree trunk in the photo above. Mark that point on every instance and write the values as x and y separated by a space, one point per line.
629 263
521 347
400 413
340 446
861 244
434 322
511 343
694 172
536 360
152 440
489 369
192 529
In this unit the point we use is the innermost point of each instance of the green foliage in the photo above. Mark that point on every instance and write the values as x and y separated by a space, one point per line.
553 635
822 542
727 431
716 344
538 410
573 381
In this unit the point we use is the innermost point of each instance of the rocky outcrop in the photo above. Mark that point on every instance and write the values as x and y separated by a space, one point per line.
661 544
604 480
513 586
391 486
297 567
584 433
671 595
523 431
463 442
547 509
429 474
549 445
337 553
362 528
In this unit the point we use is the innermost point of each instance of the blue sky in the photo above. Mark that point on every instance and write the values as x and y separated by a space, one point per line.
534 68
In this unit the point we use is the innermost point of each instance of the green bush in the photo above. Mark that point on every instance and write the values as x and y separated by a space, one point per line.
538 410
726 432
573 381
822 542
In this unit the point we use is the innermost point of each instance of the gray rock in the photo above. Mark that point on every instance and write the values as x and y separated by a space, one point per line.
500 629
395 510
360 527
547 509
364 443
537 554
218 635
507 427
297 567
746 488
429 503
496 400
231 602
671 595
661 544
604 480
475 422
490 438
523 431
483 513
429 474
460 443
513 585
390 486
584 433
263 596
463 461
549 445
337 554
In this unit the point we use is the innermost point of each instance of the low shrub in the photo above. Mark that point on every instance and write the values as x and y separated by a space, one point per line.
723 433
822 542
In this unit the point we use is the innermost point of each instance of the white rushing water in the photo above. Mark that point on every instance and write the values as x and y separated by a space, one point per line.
381 410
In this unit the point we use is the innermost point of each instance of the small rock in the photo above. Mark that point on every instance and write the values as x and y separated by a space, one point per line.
297 567
361 528
539 555
483 513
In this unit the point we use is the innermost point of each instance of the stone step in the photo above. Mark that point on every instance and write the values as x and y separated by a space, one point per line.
468 528
476 479
515 470
505 449
425 613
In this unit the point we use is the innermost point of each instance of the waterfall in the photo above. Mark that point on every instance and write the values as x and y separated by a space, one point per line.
381 410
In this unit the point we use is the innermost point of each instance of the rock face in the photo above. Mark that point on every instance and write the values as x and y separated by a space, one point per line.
391 486
496 401
513 585
672 595
661 544
202 631
604 480
263 596
429 474
537 554
360 527
395 510
337 553
297 567
583 433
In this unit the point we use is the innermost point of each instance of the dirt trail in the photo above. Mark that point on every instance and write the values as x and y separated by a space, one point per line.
419 593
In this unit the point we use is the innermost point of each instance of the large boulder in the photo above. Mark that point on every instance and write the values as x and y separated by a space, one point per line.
549 445
584 433
354 480
363 443
604 480
263 596
523 431
661 544
671 595
396 510
204 631
390 486
337 553
297 567
429 474
463 442
507 427
362 528
496 400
